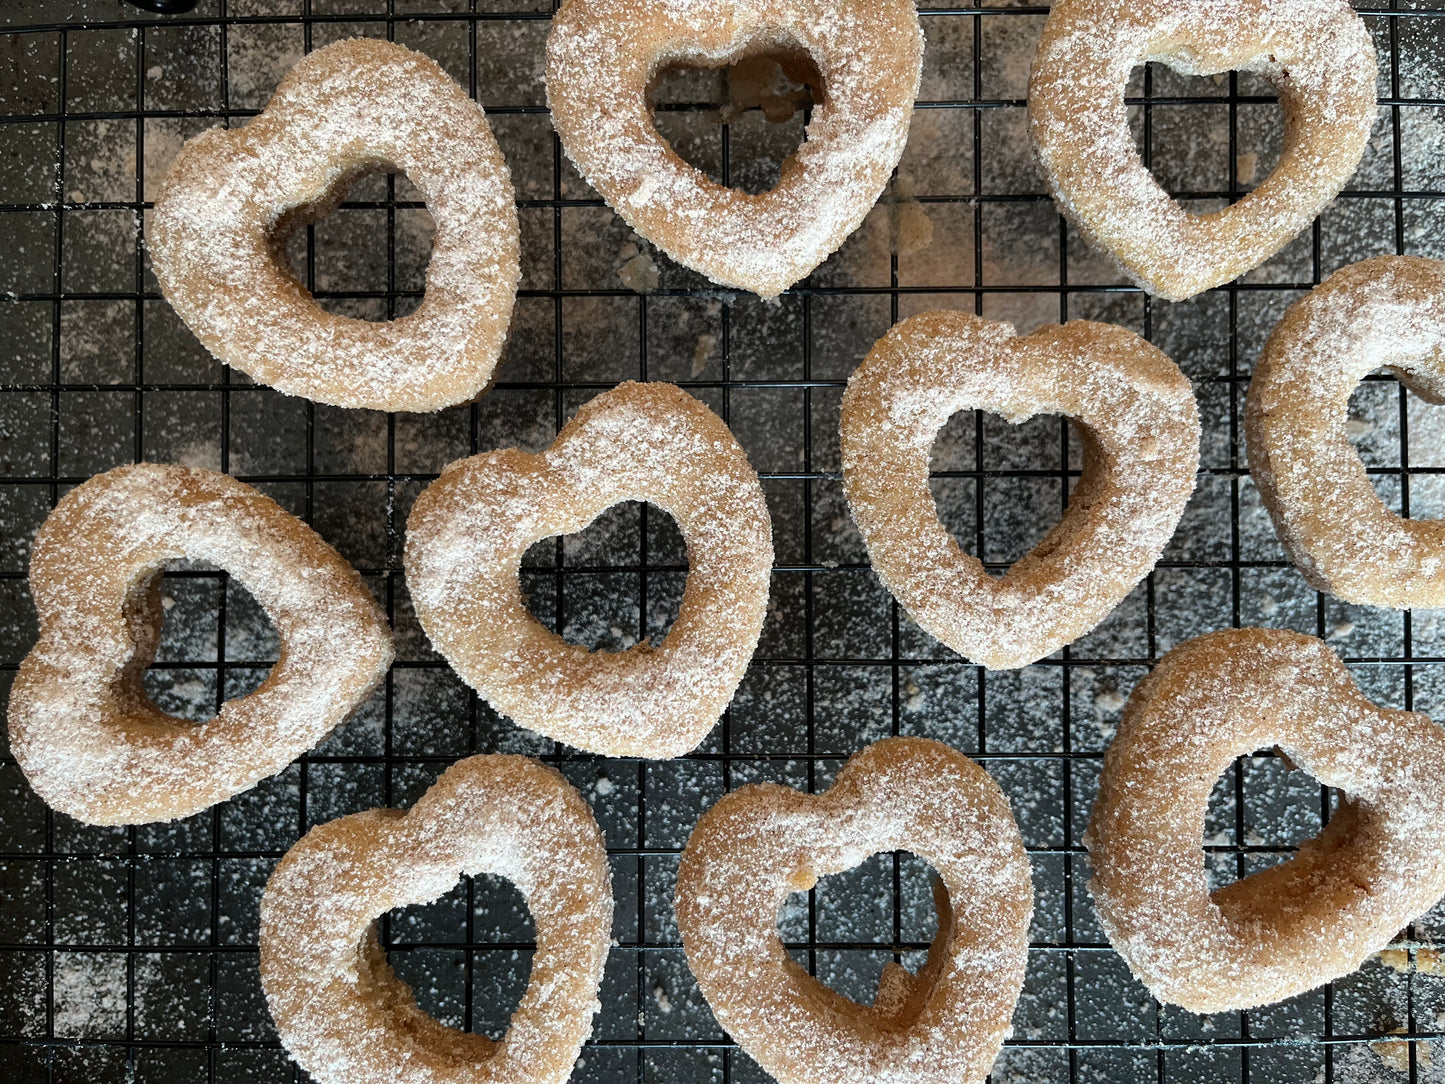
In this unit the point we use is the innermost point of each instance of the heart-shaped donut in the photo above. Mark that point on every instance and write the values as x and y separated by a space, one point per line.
762 842
1318 55
1140 433
1389 312
340 1009
1378 864
218 230
603 57
82 728
638 442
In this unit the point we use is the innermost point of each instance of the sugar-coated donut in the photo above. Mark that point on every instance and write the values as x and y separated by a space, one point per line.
1387 312
1378 864
217 235
1318 55
603 57
638 442
81 726
1139 428
340 1009
762 842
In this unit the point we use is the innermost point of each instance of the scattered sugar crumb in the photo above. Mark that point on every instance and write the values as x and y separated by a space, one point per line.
1246 167
702 353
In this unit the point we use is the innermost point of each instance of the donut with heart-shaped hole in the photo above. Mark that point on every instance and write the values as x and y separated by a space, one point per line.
229 200
1317 54
1387 312
762 842
1139 428
340 1009
86 735
1377 865
638 442
604 58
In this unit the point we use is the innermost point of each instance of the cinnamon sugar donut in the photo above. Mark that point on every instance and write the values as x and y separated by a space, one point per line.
340 1009
1318 55
762 842
603 58
1139 428
638 442
1377 865
1387 312
81 726
217 235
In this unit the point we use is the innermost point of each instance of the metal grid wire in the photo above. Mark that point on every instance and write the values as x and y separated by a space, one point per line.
130 954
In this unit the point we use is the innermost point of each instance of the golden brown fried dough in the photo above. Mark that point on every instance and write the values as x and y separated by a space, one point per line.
1318 55
340 1009
638 442
231 196
762 842
82 728
1377 866
1140 433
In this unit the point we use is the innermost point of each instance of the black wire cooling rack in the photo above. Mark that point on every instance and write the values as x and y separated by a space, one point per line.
130 954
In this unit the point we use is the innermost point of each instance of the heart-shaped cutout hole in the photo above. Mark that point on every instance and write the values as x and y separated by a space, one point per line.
363 253
640 442
1139 429
1318 55
604 56
212 629
1000 508
741 123
483 921
614 585
763 842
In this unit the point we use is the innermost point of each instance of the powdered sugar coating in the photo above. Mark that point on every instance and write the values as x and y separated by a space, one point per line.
468 530
1386 313
1318 55
603 56
89 741
762 842
1376 866
229 198
1140 431
339 1007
